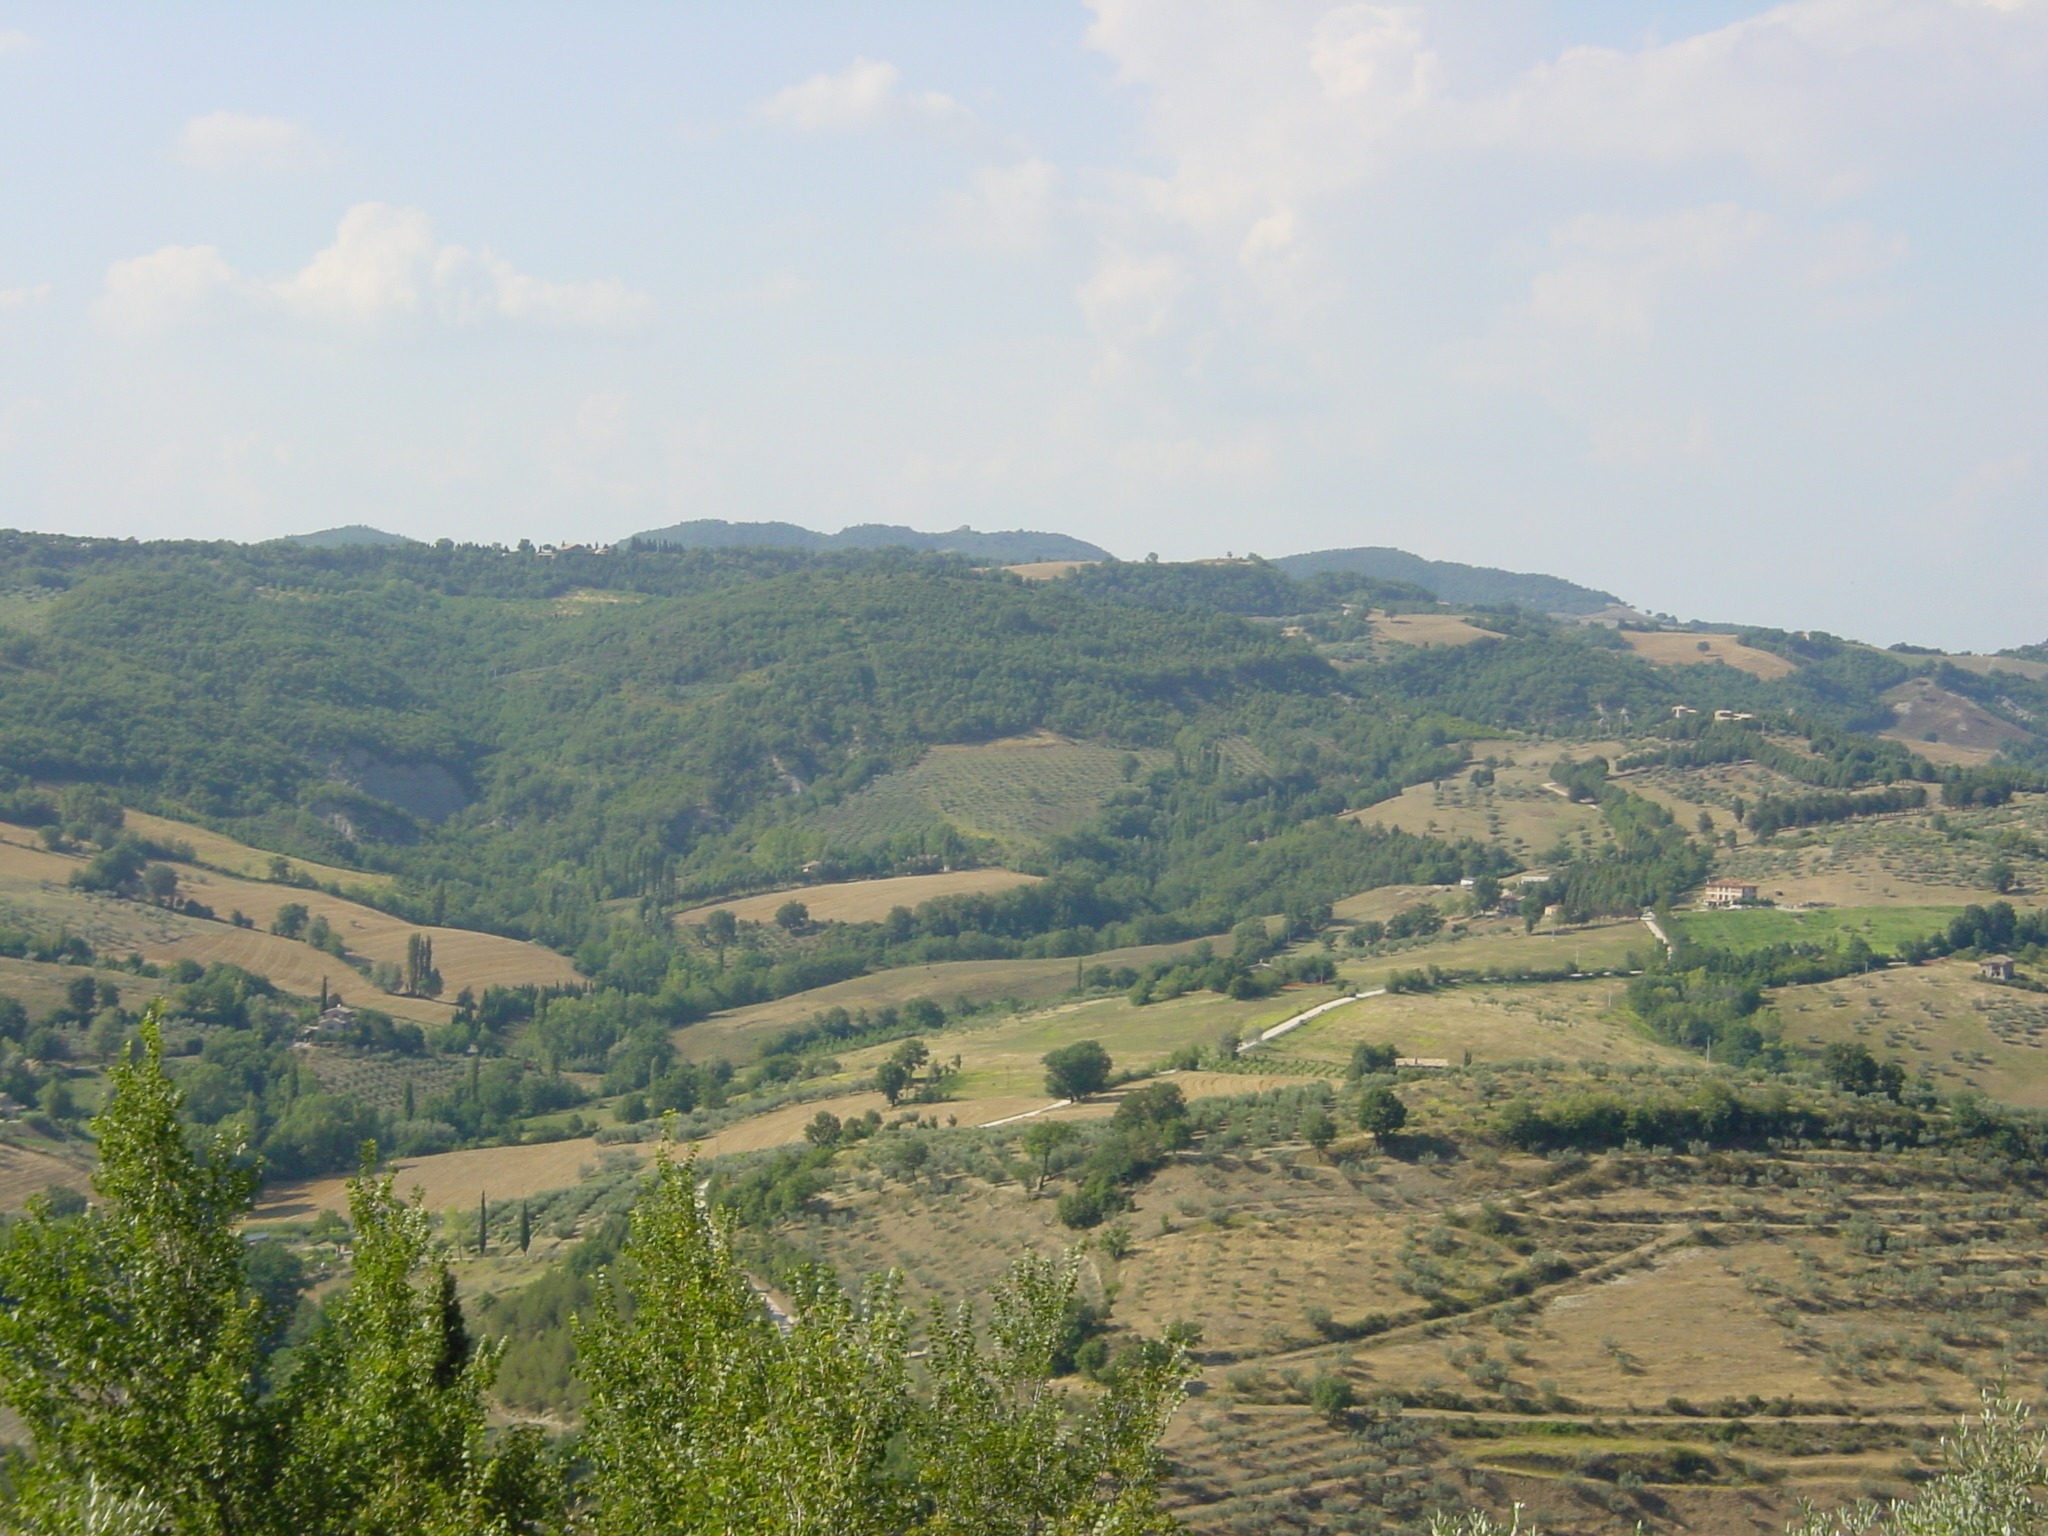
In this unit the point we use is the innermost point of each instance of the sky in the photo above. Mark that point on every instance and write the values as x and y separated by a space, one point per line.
1740 312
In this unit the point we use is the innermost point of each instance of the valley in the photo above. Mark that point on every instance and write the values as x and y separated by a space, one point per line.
1565 1186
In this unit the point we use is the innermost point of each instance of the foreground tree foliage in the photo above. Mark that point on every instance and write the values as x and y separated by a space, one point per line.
139 1356
133 1350
706 1416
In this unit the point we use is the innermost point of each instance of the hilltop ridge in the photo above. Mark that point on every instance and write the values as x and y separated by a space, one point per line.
1453 581
1012 546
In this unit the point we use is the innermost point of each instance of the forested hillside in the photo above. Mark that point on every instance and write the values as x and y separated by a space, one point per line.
566 746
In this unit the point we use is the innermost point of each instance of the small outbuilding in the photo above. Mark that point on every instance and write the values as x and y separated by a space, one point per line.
1996 967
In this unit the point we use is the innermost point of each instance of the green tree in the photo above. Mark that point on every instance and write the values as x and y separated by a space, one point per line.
1369 1058
704 1416
1042 1138
1332 1396
891 1078
792 917
1381 1112
160 883
1077 1071
134 1352
1317 1128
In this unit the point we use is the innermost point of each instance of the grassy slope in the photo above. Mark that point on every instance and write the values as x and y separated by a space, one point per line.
35 884
1942 1020
1018 791
864 901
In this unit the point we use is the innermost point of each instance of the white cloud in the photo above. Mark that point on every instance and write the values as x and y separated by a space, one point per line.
384 265
239 141
859 96
381 258
1617 268
1825 95
1005 207
174 285
602 304
1131 295
1262 108
21 298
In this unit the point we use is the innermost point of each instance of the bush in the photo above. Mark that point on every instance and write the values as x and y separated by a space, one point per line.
1331 1396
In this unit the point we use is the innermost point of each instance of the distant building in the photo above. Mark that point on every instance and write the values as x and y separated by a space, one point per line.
1680 711
1727 893
1732 714
1433 1063
337 1020
1996 968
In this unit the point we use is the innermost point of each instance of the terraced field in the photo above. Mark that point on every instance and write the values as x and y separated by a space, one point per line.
1698 1341
1019 792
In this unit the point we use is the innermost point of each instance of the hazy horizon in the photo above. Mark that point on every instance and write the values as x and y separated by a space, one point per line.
1732 310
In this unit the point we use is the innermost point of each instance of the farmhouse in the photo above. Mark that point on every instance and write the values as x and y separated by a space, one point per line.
1727 893
1996 967
338 1020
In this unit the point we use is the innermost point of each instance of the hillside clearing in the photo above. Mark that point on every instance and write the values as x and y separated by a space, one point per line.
1880 927
865 901
1019 791
1941 1020
1569 1021
1929 715
1047 570
239 858
734 1034
1426 629
1686 648
1985 666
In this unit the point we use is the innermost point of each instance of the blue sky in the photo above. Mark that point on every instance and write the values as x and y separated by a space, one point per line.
1741 312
